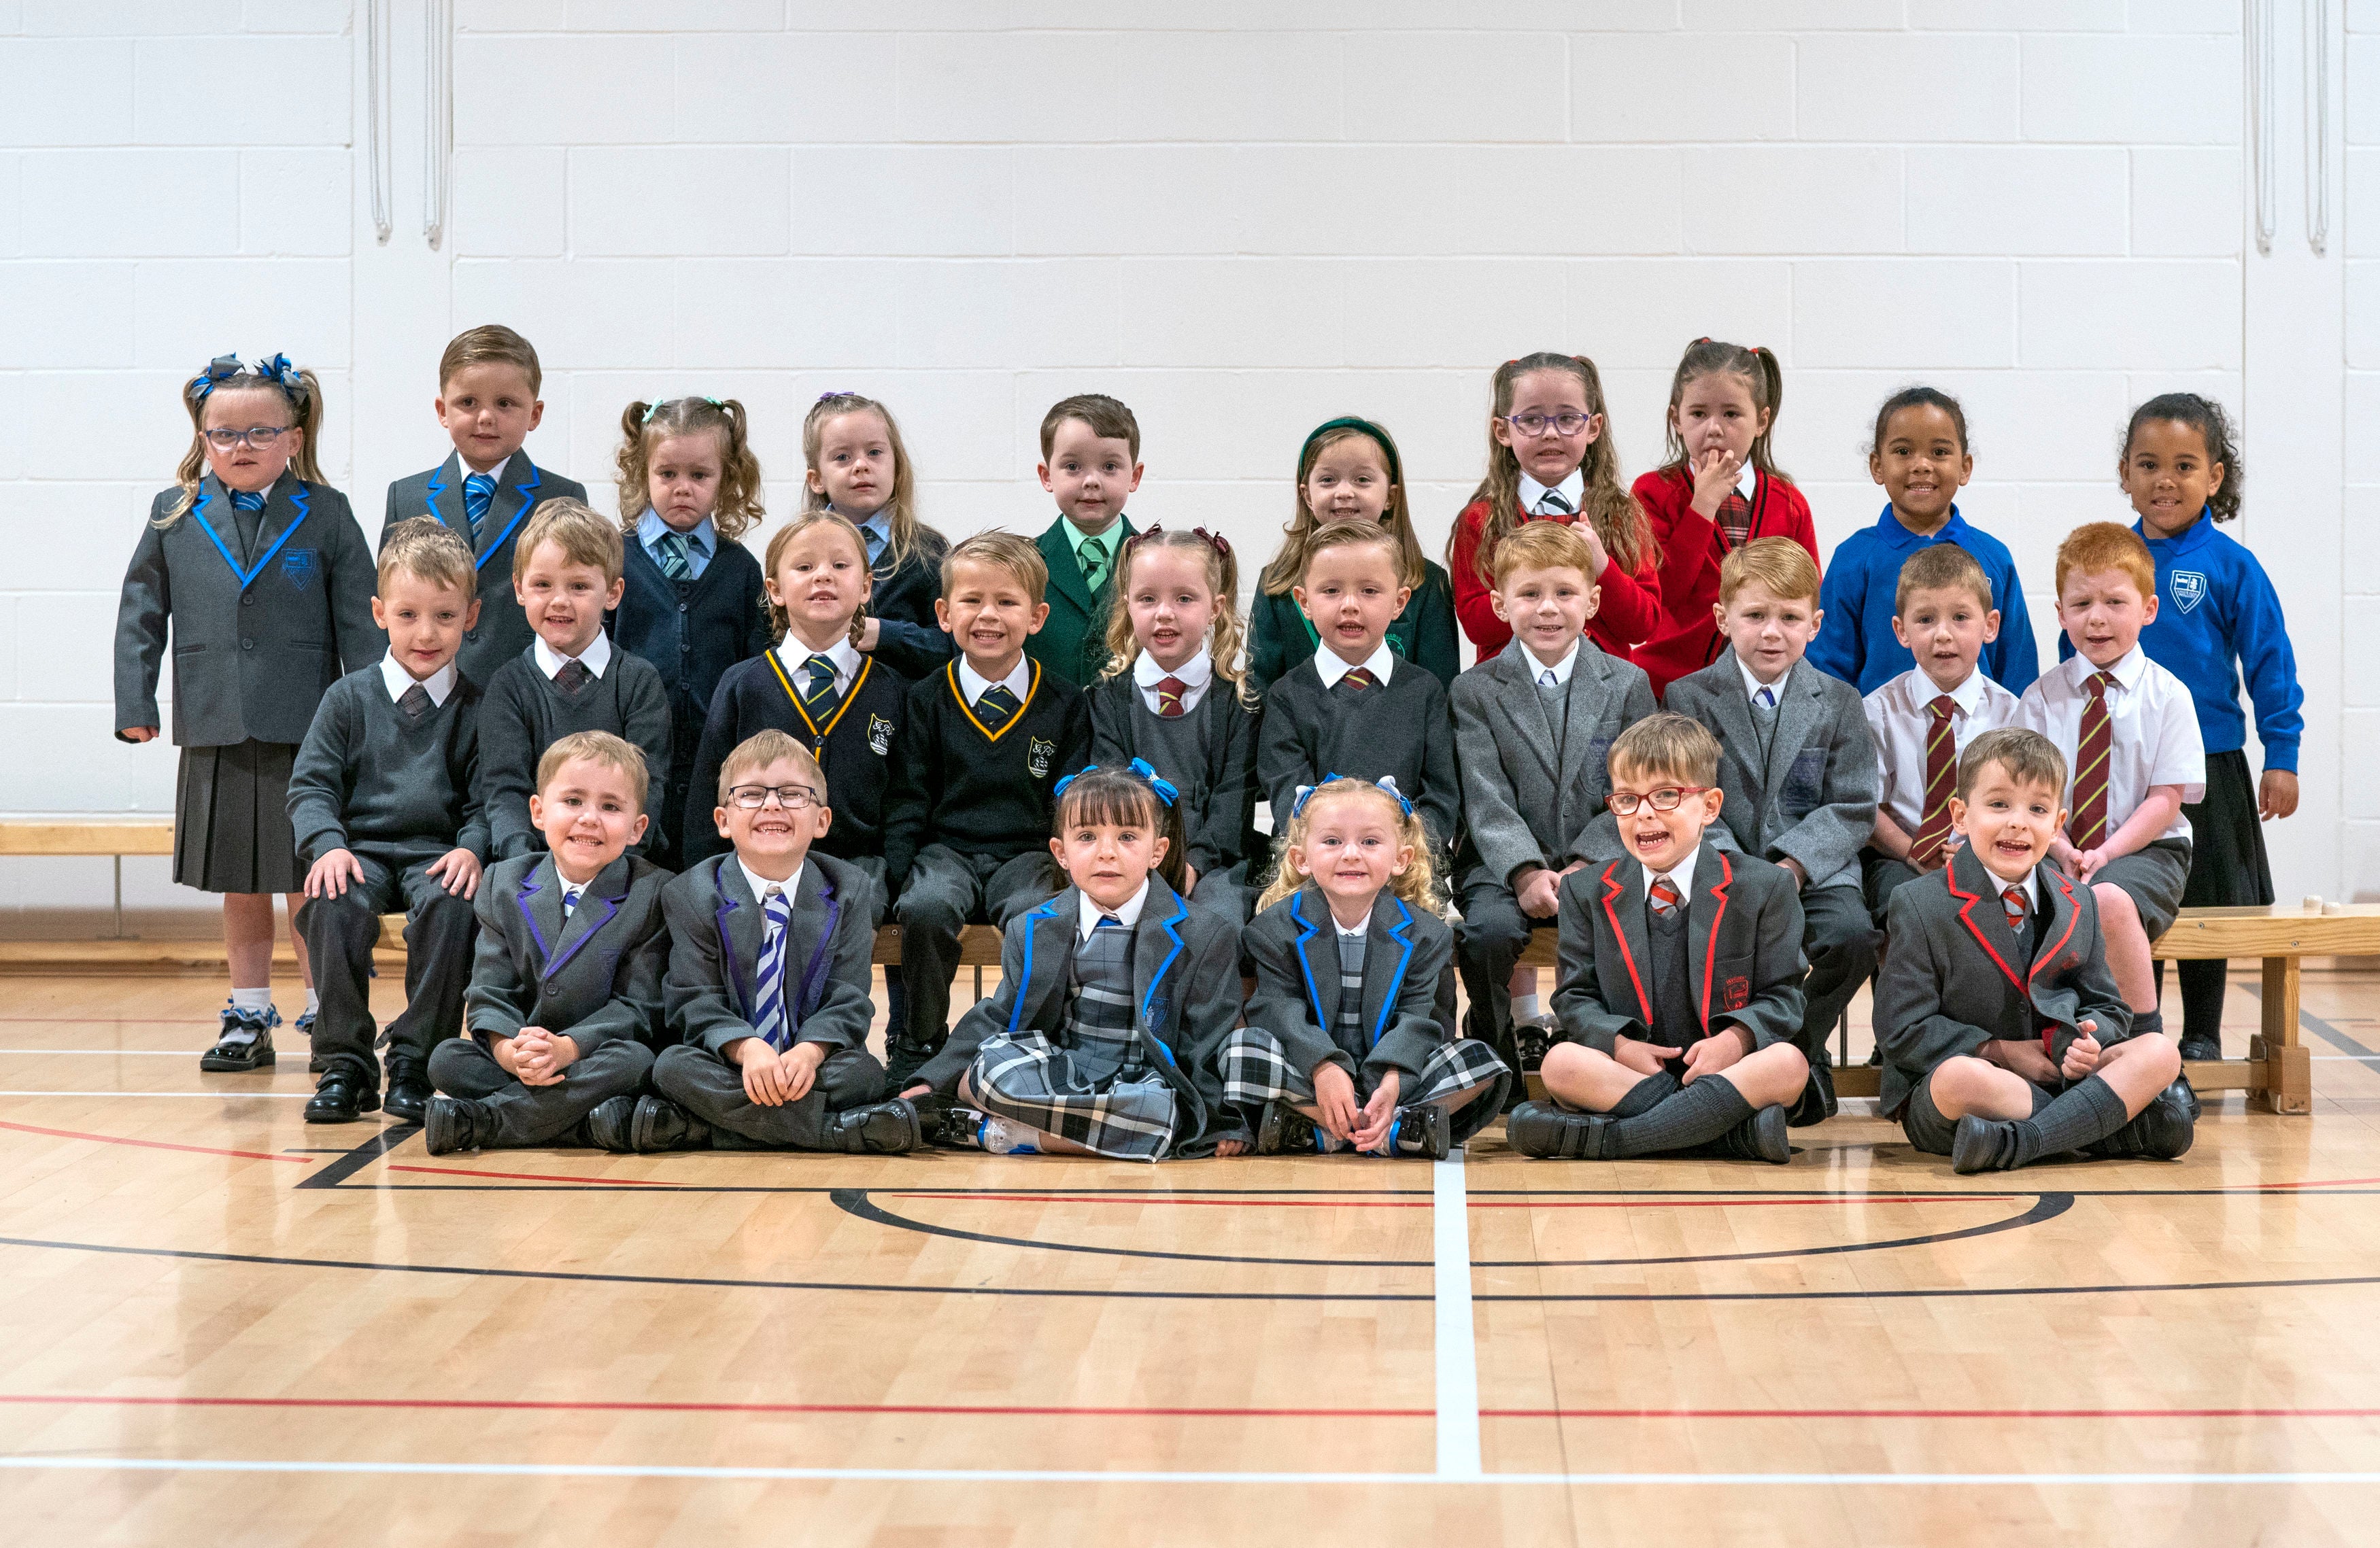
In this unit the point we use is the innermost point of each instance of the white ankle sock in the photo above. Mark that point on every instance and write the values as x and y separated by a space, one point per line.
259 1001
313 1002
1525 1007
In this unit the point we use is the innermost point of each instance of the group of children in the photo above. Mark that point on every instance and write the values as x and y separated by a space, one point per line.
699 782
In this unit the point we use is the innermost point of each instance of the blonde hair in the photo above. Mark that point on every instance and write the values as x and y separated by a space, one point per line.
1288 566
778 623
298 389
2029 757
1762 376
908 535
642 424
1782 564
762 748
1224 636
427 548
1941 568
1618 520
490 344
1418 885
2106 545
1671 743
596 747
1002 550
575 528
1543 545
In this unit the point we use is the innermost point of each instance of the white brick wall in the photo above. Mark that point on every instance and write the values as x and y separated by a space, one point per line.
1241 229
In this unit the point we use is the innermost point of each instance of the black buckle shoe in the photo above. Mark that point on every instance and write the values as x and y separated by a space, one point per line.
1541 1129
1423 1130
1530 1042
449 1124
902 1063
1818 1101
2162 1131
252 1049
607 1124
1283 1130
660 1124
342 1097
409 1091
885 1129
1982 1144
2201 1048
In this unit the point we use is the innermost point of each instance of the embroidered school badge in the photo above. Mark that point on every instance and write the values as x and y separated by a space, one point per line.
2189 588
1038 755
880 735
1736 994
297 566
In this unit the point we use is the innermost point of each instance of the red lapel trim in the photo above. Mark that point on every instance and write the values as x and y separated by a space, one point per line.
2043 959
1710 948
1966 917
1612 888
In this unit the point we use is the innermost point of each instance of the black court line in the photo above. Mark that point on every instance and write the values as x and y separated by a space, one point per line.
363 1155
2309 1022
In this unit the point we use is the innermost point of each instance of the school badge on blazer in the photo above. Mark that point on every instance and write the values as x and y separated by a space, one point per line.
1736 994
297 567
2189 589
880 735
1038 755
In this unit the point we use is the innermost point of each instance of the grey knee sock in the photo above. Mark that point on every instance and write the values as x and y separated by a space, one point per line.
1645 1096
2083 1113
1697 1114
2145 1021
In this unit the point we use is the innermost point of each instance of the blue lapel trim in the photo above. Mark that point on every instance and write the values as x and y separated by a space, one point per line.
437 487
1025 971
612 910
1405 959
506 536
1181 912
248 577
1306 932
528 889
728 905
804 1001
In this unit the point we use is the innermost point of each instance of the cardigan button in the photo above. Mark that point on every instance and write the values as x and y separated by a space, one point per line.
248 645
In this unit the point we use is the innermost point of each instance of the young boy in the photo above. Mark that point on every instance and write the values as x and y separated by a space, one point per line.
1800 773
981 744
566 997
2005 1037
1681 990
565 574
1090 460
768 984
384 797
487 382
2129 731
1532 730
1924 719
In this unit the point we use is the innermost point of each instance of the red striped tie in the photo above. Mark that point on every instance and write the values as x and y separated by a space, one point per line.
1665 896
2012 898
1735 518
1359 678
2088 828
1169 697
1941 775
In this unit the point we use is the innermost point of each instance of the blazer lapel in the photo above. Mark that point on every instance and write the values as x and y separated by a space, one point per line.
1975 892
809 933
1737 727
1388 952
1797 716
444 497
1619 892
598 903
519 477
1714 875
1318 950
1050 949
1156 957
539 903
740 926
1065 569
1590 687
2054 898
1515 681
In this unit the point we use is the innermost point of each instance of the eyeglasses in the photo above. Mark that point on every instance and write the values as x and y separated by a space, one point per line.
258 437
1538 424
1666 799
792 798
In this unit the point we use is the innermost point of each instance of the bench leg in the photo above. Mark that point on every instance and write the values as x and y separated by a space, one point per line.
2288 1068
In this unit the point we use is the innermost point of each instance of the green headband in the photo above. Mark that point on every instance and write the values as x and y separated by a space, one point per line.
1363 426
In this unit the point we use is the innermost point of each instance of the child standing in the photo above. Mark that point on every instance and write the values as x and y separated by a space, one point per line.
1349 471
260 570
2215 607
1920 456
1090 460
1721 489
690 488
486 402
1344 1048
859 470
1551 458
1172 695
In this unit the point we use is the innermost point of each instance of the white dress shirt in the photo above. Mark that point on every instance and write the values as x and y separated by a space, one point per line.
1752 684
975 686
1572 489
796 657
1194 676
1331 666
1901 718
595 658
791 887
1681 877
1559 671
439 683
2152 730
1127 913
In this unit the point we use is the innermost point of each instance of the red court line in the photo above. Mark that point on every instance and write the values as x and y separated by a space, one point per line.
154 1144
535 1177
1475 1203
1929 1414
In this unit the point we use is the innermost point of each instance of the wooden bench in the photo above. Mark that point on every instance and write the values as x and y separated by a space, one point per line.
114 839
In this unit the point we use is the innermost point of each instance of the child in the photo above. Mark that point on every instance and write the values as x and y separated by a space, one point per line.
1173 695
487 382
565 995
767 983
1551 458
1533 728
1922 720
1721 489
1349 471
2127 729
2004 1035
1354 706
261 569
566 576
859 470
690 488
1114 999
1090 460
1681 951
1343 1046
968 812
1800 773
385 798
1920 456
2215 605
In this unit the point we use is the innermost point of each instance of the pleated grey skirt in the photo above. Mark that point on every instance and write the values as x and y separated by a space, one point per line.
231 820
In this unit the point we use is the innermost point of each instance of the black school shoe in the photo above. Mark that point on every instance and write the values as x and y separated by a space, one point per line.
1282 1130
2162 1131
1761 1137
1530 1042
660 1124
902 1063
449 1124
1982 1144
250 1049
1423 1130
342 1097
1817 1102
2201 1048
885 1128
408 1090
606 1126
1543 1129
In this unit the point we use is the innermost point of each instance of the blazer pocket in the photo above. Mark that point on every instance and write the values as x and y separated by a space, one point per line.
188 648
1731 984
1805 782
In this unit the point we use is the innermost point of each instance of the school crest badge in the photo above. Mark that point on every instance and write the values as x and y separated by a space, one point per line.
297 567
880 735
2189 588
1038 755
1736 994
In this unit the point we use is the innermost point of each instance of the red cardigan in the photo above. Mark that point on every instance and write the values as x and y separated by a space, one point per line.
1687 638
1630 610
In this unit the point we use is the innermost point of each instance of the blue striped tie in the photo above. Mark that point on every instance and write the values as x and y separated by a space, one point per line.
669 551
244 501
478 489
769 987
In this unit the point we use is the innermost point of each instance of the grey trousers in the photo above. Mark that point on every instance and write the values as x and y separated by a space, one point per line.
712 1090
340 933
944 893
1488 944
526 1115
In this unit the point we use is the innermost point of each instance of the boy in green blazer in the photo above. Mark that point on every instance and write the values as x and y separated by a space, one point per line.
1090 460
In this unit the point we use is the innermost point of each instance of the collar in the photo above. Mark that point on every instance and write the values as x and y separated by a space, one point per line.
795 655
973 684
881 523
595 658
1748 480
1562 669
1088 913
1895 532
1682 876
705 534
1572 489
1752 685
501 472
1331 666
1359 933
1111 537
397 680
1967 696
2189 538
2030 881
1195 672
791 886
2128 669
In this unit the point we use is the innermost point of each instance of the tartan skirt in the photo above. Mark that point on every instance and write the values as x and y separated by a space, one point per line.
1031 1078
1257 1070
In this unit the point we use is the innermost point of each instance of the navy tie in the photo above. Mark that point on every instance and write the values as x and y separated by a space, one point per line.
874 545
478 489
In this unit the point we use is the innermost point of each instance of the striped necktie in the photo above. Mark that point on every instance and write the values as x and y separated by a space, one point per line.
477 490
570 900
2088 829
572 675
1665 896
1941 774
1359 678
818 694
1092 555
769 1017
1169 691
415 701
2013 899
1553 502
669 548
996 707
244 501
1735 518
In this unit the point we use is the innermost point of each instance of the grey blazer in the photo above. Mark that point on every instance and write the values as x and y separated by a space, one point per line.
596 975
503 631
1521 803
255 648
1813 797
1951 983
1406 955
715 929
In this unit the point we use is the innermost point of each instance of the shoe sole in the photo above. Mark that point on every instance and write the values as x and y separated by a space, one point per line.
216 1064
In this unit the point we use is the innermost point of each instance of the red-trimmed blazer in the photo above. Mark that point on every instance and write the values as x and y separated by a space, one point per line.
1687 639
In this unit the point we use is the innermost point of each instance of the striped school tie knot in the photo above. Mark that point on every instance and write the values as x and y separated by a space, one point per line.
570 896
1169 697
1547 679
414 701
1941 775
1092 555
1360 678
1108 922
243 500
1666 897
1765 698
769 984
997 707
670 549
874 545
2013 899
573 676
2087 828
820 687
1553 502
477 490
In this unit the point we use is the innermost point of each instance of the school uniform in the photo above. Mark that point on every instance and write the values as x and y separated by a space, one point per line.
1692 547
1855 640
1801 783
967 819
1200 735
1105 1033
1073 641
2152 739
268 608
909 638
693 627
1368 1000
1535 744
450 491
1281 638
539 697
728 982
1628 610
1318 723
1920 732
583 962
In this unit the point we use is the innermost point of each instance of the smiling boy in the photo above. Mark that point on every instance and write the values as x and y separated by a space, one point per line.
1090 464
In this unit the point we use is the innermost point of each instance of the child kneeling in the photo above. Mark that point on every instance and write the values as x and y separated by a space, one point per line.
1681 977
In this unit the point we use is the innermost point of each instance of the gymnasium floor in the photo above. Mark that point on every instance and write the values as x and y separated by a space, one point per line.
223 1326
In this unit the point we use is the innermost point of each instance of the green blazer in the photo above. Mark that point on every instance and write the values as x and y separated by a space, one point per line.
1073 644
1279 638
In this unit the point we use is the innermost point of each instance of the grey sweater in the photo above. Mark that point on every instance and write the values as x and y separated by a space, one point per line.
369 778
522 714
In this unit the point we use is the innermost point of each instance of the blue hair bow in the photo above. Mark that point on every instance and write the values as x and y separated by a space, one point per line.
222 367
282 374
1387 782
1157 783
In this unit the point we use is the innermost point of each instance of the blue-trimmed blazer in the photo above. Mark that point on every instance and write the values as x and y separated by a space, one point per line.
503 631
595 975
1408 993
715 933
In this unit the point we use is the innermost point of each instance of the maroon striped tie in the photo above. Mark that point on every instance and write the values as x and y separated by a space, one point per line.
1359 678
2087 829
1169 697
1941 775
1665 896
2013 899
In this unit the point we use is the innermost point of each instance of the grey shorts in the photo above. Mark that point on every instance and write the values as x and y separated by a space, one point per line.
2153 877
1930 1131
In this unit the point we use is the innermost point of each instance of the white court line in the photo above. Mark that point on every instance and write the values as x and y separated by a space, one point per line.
218 1096
1458 1356
108 1053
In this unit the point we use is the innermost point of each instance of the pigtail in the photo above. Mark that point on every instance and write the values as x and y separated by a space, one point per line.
307 399
301 388
1772 381
739 509
908 535
636 495
2213 426
1500 488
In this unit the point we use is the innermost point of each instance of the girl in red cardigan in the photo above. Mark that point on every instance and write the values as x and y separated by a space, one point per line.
1721 489
1550 458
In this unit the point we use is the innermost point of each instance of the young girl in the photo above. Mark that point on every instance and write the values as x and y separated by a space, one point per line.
1115 998
1173 696
1349 471
859 470
1351 1041
1721 489
690 488
815 686
1550 458
263 575
2215 607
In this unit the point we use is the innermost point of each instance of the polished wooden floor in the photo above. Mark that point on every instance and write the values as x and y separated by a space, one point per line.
219 1325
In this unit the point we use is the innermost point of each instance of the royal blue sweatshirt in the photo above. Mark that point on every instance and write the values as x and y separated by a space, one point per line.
1855 639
